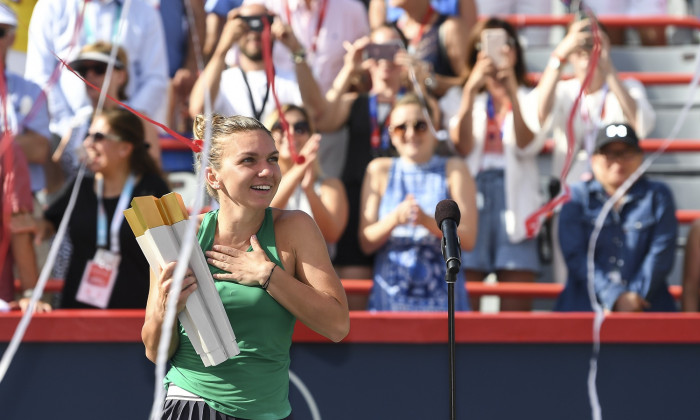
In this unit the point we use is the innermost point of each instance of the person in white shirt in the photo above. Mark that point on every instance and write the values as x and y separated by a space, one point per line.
322 27
52 29
489 125
242 89
607 99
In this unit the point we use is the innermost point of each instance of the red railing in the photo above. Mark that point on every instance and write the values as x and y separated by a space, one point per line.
610 21
645 78
652 145
475 288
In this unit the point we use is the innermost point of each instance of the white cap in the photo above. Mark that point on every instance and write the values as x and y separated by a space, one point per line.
7 15
100 57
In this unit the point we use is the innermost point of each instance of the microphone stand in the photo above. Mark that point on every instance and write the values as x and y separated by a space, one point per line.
451 278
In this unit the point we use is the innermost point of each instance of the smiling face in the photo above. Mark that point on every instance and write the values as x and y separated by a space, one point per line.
249 173
106 153
410 134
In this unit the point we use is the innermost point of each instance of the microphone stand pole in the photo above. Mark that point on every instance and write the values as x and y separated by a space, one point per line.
451 278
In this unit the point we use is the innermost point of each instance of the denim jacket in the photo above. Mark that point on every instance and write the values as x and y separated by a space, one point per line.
634 252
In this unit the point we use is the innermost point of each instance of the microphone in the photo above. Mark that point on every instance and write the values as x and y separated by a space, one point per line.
447 216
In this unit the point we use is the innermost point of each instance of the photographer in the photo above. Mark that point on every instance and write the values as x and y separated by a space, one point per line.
241 90
489 127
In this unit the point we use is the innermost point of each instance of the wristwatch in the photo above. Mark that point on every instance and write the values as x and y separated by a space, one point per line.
555 62
299 56
430 82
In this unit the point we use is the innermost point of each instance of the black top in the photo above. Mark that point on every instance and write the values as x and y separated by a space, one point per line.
131 286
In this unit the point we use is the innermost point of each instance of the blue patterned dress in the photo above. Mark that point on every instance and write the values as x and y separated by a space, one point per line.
409 270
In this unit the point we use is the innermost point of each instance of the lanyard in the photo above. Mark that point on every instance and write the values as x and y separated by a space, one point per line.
493 140
413 45
117 219
257 113
319 22
380 136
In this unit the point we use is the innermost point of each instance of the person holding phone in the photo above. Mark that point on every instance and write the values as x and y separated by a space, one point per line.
490 130
606 99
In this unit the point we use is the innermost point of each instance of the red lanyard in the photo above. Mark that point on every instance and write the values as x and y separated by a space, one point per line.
493 140
426 18
319 22
270 73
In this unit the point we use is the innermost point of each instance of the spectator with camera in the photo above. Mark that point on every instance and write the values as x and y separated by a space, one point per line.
243 89
635 249
606 99
365 113
489 125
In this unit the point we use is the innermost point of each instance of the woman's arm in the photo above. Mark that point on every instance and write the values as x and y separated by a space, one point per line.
461 133
210 79
156 307
463 192
308 287
330 208
293 177
577 37
328 114
373 233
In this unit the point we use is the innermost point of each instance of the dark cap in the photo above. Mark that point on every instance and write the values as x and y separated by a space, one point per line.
612 133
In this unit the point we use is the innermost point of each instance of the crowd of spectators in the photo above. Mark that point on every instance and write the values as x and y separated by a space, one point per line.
394 105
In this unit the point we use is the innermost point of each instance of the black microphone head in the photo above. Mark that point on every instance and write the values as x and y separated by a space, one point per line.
447 209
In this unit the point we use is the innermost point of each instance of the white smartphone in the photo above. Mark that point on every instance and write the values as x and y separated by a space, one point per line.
492 42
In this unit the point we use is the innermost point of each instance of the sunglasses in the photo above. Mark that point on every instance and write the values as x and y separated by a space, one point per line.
418 127
98 137
301 127
4 31
98 67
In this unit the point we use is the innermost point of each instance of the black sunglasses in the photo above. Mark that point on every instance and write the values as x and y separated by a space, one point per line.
418 127
4 31
301 127
98 137
97 67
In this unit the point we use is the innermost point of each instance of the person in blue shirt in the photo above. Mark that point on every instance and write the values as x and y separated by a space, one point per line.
27 116
635 250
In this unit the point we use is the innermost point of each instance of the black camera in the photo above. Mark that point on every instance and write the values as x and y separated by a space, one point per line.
255 22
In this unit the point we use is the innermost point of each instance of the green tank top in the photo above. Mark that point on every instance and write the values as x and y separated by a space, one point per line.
255 383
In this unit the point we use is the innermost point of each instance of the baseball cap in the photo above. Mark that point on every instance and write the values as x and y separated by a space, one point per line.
7 15
616 133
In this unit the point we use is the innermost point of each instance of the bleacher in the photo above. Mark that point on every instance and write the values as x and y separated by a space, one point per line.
665 72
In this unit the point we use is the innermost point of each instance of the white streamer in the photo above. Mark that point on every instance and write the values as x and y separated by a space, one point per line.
313 408
599 316
113 58
43 278
188 242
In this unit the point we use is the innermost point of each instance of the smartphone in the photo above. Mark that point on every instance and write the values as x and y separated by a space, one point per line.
255 22
385 51
492 42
